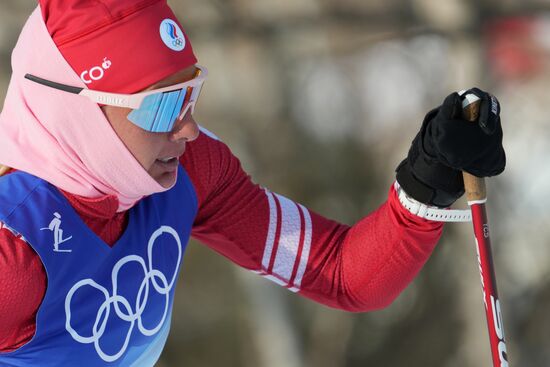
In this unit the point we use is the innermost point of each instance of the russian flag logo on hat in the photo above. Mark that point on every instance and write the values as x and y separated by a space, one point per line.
172 35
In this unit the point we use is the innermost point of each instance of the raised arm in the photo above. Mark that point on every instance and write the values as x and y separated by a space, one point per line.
358 268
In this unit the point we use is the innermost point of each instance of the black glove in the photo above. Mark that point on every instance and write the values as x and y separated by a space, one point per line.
447 145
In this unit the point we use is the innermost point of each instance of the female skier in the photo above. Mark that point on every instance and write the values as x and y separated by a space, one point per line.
110 175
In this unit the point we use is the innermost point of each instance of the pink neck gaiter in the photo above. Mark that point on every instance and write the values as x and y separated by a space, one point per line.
63 138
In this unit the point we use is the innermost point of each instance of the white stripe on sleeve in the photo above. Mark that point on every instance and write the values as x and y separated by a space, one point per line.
287 244
306 247
289 240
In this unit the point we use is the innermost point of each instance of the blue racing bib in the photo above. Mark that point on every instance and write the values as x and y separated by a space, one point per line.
103 306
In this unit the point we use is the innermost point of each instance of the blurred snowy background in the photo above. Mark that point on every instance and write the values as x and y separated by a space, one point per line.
320 99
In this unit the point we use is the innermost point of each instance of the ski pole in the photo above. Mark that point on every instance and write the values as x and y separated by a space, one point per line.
476 193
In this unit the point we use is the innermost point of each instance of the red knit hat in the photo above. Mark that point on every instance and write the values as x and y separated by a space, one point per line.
120 46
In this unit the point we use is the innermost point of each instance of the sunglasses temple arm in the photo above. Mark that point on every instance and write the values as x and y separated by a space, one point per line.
113 99
48 83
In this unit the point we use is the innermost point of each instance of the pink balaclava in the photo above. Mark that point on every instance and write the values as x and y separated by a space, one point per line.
118 46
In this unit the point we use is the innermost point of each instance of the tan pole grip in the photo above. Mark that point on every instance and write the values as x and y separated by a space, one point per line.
474 186
3 170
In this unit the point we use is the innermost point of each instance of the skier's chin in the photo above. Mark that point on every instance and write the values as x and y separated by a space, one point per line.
167 179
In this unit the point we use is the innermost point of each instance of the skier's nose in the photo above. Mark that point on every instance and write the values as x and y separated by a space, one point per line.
185 129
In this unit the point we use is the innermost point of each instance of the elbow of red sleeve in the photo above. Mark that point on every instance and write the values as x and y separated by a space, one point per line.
360 297
372 298
380 289
361 306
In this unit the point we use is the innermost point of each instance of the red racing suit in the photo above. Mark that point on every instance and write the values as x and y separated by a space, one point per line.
355 268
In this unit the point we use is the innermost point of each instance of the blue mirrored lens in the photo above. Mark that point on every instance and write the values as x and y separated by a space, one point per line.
158 112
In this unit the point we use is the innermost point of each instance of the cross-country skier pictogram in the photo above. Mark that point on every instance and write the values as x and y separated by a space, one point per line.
55 228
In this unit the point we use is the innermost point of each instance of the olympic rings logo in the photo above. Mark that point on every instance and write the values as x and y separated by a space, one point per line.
120 305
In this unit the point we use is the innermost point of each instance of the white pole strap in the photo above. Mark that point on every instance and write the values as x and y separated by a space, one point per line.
431 212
